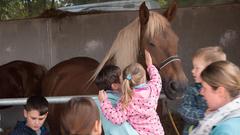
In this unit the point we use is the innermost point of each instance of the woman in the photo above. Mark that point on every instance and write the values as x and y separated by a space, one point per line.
221 88
80 117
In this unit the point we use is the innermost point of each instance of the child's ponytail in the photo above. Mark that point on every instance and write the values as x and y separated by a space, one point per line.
133 75
127 92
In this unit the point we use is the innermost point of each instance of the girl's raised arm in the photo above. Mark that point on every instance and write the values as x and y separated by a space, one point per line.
148 58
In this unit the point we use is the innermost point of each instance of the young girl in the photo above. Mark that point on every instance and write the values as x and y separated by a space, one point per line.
138 101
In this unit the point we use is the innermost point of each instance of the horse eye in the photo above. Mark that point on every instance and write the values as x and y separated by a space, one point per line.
151 44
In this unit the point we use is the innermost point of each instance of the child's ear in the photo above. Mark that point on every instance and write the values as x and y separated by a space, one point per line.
25 113
114 86
46 114
222 92
97 129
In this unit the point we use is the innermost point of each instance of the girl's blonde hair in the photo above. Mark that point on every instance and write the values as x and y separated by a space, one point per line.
225 74
133 75
210 54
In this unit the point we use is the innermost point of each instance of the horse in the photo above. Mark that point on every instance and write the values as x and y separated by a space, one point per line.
150 31
21 79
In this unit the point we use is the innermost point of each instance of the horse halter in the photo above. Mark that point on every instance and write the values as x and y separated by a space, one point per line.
168 60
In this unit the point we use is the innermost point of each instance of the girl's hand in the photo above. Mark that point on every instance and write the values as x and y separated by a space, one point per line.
102 95
148 58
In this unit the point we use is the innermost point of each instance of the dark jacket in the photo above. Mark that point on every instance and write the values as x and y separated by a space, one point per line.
22 129
192 108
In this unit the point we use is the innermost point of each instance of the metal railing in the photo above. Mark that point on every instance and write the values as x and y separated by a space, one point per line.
51 100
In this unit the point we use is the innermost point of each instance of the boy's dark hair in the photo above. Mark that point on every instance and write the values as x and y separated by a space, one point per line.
38 103
107 76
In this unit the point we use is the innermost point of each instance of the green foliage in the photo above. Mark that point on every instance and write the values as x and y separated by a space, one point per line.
11 9
162 3
19 9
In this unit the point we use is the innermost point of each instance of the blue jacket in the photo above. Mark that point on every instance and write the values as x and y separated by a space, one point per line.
22 129
110 128
227 127
192 107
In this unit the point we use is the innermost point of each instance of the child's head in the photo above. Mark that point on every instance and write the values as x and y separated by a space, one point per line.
109 78
133 75
80 117
205 56
35 112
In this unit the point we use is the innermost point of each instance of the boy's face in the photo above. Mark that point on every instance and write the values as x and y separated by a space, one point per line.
34 120
198 66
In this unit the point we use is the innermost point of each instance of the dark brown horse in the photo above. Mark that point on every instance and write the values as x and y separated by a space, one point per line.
20 79
149 31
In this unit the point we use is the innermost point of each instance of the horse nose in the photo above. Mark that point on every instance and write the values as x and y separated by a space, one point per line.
173 86
174 90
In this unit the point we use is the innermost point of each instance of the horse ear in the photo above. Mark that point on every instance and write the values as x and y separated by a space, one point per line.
171 11
143 14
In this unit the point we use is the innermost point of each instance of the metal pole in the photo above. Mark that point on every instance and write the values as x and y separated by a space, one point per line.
52 100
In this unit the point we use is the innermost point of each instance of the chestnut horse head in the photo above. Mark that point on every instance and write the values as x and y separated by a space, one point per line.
153 32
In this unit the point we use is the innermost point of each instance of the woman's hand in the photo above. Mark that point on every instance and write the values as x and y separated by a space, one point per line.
148 58
102 95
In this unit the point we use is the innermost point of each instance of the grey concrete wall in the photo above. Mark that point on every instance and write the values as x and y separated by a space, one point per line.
24 40
86 35
205 26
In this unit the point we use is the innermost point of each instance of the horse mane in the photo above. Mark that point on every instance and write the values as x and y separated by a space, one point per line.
126 46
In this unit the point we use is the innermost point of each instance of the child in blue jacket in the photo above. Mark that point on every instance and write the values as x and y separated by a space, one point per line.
109 79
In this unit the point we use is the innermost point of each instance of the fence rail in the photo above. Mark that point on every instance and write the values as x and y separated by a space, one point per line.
51 100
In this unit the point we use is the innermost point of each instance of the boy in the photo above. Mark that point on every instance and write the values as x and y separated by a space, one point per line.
109 79
193 106
35 113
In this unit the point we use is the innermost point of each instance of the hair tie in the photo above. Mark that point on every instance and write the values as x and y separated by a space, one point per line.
129 77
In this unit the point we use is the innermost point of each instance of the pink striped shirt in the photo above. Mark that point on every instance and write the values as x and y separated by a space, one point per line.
141 111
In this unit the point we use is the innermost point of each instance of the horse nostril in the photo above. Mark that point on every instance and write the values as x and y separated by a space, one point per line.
173 86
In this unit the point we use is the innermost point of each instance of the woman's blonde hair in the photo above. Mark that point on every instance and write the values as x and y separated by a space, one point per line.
210 54
79 116
133 75
225 74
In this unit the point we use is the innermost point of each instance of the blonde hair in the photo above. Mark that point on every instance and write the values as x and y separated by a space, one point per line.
223 73
210 54
133 75
79 116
